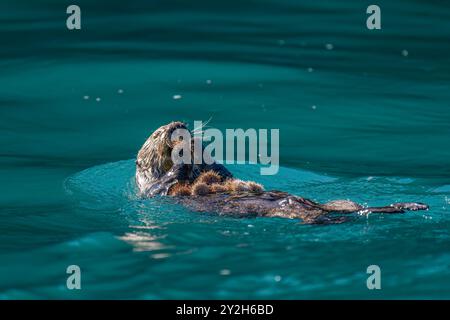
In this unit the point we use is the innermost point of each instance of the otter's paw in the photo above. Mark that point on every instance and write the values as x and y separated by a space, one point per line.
413 206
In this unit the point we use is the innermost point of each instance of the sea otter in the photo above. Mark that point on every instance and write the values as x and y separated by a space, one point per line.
212 188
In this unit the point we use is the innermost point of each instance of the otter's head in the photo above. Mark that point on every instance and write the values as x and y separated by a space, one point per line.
155 157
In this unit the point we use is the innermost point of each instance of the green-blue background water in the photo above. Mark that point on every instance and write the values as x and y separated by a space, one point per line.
366 119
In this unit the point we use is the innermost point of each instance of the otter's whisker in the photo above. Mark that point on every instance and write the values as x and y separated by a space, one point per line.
208 121
195 130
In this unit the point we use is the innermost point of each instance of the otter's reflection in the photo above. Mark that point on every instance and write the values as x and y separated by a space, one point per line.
146 236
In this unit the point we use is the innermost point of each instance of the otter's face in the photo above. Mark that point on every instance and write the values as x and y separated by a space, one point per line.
155 157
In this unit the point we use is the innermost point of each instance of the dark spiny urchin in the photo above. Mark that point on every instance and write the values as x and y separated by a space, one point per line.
235 185
200 189
209 177
254 187
180 190
229 185
218 188
240 186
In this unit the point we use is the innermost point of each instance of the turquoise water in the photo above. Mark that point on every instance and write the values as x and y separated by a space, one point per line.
378 134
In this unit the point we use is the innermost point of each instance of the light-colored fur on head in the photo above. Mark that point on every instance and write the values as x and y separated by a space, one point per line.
155 157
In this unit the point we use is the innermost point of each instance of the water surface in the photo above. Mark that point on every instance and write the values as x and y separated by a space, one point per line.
367 120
